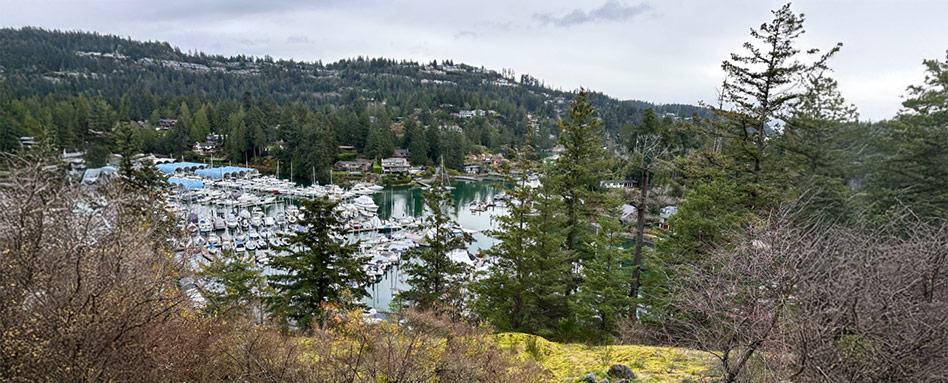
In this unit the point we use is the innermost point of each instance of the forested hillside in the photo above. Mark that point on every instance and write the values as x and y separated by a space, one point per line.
73 87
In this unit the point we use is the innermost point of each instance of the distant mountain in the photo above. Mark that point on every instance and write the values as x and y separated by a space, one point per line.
39 62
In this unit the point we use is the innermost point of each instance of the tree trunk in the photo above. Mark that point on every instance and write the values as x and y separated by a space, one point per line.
639 238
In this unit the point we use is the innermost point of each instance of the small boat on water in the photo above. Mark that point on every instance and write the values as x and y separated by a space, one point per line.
205 226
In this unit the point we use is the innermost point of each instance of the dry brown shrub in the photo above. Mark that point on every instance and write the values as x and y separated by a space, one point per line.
89 284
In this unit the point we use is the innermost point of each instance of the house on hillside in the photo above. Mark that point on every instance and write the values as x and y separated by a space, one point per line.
472 168
395 165
204 147
28 141
166 123
666 213
356 165
617 184
629 214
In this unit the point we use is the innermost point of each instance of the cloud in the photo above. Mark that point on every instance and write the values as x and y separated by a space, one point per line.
298 39
611 11
465 35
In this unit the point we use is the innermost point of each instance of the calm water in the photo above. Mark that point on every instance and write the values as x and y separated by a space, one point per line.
406 201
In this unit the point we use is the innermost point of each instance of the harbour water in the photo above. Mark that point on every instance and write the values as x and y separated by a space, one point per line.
402 201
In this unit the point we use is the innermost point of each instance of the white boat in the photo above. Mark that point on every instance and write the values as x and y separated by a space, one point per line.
274 242
205 226
213 239
219 223
239 247
231 221
366 205
269 221
256 221
250 244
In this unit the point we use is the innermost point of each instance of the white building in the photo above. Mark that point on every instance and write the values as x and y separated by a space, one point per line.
395 165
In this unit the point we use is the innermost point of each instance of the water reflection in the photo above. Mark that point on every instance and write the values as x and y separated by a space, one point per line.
407 201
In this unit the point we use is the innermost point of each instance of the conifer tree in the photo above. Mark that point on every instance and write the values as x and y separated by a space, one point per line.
574 177
524 290
434 278
233 284
910 168
319 271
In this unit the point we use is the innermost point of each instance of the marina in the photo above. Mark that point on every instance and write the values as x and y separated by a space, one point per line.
253 214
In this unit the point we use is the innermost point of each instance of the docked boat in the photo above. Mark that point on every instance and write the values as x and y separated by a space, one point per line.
219 223
366 205
231 221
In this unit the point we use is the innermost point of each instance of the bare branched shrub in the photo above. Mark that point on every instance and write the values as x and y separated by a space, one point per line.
876 308
816 303
88 283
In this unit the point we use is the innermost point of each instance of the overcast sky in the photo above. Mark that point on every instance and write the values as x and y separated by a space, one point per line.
666 51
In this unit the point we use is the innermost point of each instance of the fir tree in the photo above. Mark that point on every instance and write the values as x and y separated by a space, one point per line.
575 177
320 271
434 278
524 291
233 284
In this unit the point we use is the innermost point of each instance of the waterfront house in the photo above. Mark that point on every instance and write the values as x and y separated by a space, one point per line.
395 165
356 165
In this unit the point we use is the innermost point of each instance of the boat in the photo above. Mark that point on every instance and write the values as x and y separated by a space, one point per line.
227 241
213 239
239 246
219 223
269 221
250 244
204 226
366 205
231 221
275 242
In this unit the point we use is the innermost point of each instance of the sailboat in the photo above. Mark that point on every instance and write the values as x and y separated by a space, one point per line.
444 174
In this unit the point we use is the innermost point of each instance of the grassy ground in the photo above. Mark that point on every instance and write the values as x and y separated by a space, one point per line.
570 362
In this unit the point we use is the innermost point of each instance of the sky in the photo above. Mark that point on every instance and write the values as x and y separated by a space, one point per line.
662 51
